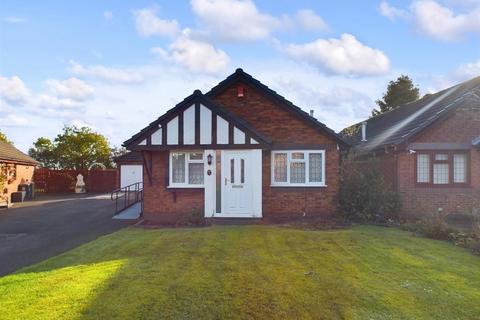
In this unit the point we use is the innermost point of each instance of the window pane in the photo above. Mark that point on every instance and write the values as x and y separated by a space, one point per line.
232 170
423 168
298 155
196 156
459 168
195 173
280 167
441 157
178 168
297 172
242 171
315 167
440 173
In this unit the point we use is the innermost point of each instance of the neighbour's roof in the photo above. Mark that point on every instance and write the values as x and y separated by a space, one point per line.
9 153
403 123
131 156
242 76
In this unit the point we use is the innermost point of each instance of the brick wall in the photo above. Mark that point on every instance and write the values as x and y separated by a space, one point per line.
23 172
461 127
167 205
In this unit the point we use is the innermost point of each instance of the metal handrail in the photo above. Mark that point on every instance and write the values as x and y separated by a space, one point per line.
124 196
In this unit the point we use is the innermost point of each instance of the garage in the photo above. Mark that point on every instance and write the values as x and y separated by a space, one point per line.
130 167
130 174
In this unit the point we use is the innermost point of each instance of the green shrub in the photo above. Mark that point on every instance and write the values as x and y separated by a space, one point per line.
364 198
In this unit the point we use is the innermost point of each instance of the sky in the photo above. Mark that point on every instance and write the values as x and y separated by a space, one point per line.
116 66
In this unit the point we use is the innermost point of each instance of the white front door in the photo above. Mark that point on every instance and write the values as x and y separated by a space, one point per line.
237 183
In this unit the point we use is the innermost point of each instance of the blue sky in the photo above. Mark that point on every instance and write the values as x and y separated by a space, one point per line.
117 65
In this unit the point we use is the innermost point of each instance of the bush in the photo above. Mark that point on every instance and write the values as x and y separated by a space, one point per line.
364 198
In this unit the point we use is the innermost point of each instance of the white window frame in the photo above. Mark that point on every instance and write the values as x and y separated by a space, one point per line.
307 183
172 184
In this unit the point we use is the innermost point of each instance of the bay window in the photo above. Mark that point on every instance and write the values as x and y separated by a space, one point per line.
186 169
442 168
298 168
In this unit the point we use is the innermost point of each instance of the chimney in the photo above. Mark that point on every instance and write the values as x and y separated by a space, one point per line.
364 131
311 113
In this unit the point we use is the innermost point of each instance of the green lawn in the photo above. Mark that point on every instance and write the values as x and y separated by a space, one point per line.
250 272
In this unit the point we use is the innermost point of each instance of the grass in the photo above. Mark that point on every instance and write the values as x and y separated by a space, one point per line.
249 272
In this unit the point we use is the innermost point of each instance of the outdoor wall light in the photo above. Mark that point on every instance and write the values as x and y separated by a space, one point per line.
209 159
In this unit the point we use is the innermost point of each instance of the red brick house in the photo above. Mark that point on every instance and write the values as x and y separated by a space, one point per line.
15 168
239 151
428 150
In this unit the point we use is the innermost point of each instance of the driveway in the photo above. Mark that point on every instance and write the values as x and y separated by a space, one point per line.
36 230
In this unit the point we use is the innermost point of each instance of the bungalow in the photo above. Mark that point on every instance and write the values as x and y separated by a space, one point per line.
428 150
239 151
15 168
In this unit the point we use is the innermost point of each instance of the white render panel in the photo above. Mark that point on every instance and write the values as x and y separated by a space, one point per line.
253 141
189 125
222 131
143 142
157 137
238 136
205 125
172 131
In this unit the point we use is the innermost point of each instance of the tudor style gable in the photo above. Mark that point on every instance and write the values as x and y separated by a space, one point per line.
198 123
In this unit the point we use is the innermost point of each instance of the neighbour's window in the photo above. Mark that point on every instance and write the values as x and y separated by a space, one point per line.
442 168
298 168
186 169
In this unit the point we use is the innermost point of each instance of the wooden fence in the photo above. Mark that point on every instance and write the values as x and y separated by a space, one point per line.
63 181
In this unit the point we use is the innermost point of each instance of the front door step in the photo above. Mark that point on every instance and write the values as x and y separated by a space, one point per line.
234 221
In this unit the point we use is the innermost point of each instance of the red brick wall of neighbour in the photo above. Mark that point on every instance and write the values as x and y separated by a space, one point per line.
461 127
22 172
285 127
167 205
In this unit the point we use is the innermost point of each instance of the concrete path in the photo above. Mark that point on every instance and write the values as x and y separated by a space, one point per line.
36 230
131 213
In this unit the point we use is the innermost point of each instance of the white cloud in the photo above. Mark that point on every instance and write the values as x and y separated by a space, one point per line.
234 20
438 21
13 89
391 12
195 55
149 24
100 72
71 88
13 120
310 21
13 19
345 56
443 23
108 15
55 102
468 70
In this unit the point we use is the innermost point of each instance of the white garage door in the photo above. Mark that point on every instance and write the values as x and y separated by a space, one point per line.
130 174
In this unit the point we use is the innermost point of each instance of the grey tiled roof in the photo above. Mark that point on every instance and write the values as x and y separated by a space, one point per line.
401 124
132 156
11 154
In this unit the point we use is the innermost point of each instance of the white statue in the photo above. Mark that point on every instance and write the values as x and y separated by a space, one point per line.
80 185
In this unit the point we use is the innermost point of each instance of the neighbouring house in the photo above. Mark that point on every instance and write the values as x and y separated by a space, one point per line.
428 150
239 151
15 168
130 168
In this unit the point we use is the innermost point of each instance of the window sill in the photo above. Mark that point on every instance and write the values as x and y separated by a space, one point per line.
186 187
298 185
